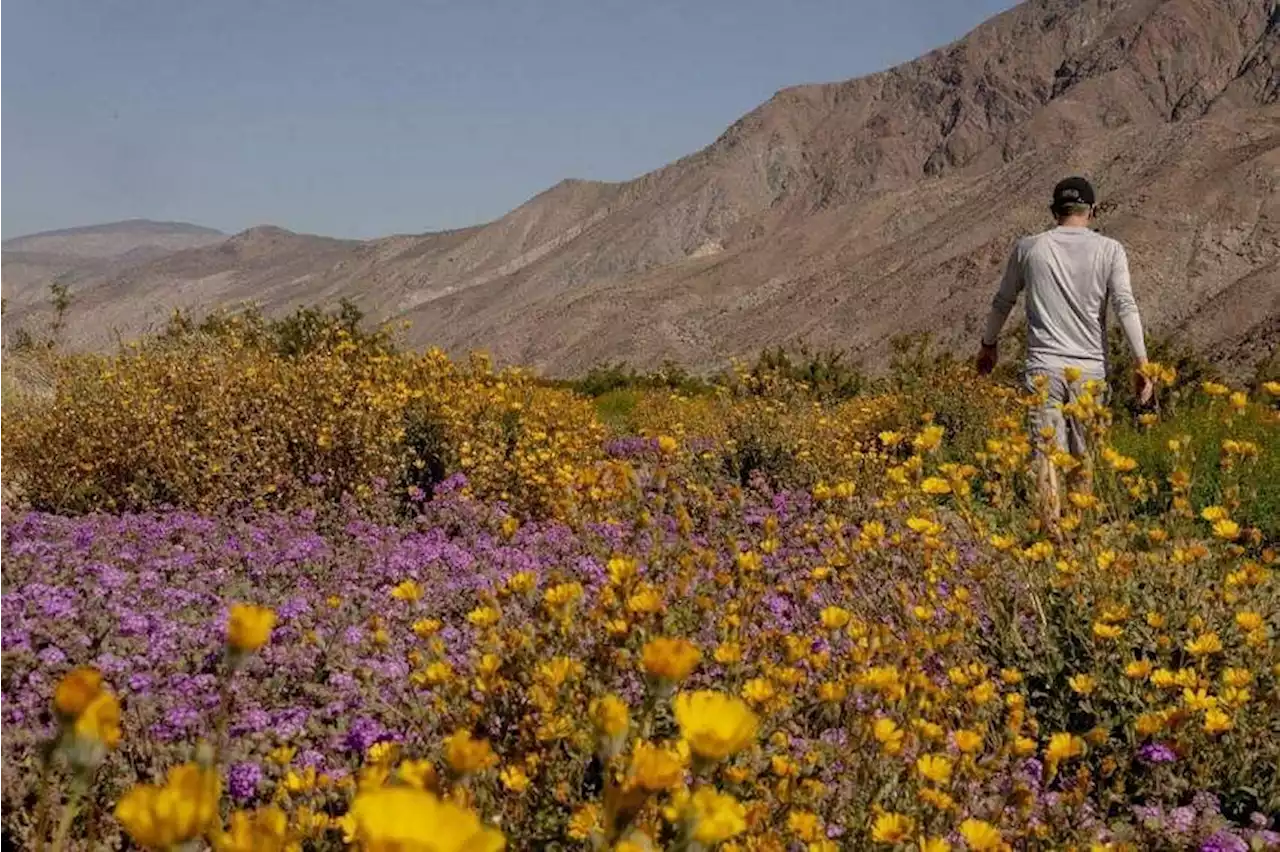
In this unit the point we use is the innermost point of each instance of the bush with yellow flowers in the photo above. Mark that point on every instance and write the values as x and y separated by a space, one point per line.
229 421
891 639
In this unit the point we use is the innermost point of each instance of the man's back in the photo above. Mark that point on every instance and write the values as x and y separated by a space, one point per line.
1070 274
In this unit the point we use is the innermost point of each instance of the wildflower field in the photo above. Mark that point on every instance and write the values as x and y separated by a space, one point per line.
286 586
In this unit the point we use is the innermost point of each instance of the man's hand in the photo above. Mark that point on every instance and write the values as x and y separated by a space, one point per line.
987 357
1143 388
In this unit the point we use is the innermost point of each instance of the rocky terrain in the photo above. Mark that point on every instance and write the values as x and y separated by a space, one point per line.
842 213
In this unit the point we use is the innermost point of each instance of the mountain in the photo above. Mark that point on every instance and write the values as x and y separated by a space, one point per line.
843 213
75 255
115 239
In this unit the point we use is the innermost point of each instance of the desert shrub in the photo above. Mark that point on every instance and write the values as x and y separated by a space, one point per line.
307 329
932 383
769 427
616 406
514 439
227 416
824 373
206 425
619 376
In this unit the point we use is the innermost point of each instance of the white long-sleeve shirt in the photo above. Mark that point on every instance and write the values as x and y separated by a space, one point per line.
1070 275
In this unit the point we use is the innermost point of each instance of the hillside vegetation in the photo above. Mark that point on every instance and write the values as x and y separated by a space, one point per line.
332 591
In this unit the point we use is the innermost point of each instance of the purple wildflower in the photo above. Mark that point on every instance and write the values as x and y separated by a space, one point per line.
1224 841
1156 753
243 780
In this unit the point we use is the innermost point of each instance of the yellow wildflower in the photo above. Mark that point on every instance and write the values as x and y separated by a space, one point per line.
466 754
1198 699
967 742
612 720
758 690
427 627
1149 724
654 768
382 752
76 691
249 627
834 617
1237 677
983 693
484 616
980 836
1023 746
891 828
563 595
584 822
805 825
282 755
1082 684
728 652
937 798
1213 513
888 734
714 724
397 818
1217 722
419 774
408 590
1107 631
621 569
185 808
1226 529
1137 669
935 485
1064 746
934 767
521 581
514 779
100 721
263 830
1248 620
670 660
1204 644
646 600
715 816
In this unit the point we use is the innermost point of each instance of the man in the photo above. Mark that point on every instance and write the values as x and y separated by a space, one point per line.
1070 274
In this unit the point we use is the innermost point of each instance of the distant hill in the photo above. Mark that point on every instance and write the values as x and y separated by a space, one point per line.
843 212
115 239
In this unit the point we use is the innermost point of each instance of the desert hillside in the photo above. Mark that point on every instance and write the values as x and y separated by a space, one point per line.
842 213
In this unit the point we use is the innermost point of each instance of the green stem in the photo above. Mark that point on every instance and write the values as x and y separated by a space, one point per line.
69 814
42 797
224 709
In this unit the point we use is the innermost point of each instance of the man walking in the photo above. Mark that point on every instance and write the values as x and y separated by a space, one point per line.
1070 274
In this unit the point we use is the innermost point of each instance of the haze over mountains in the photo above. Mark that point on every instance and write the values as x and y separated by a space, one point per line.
842 213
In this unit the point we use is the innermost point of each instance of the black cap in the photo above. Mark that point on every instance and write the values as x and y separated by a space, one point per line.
1072 190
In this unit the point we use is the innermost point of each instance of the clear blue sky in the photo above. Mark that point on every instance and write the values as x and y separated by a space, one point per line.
360 119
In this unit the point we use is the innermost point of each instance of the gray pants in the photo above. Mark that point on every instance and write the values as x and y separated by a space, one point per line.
1069 434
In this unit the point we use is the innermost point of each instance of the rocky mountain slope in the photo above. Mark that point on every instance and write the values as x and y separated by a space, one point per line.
842 213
